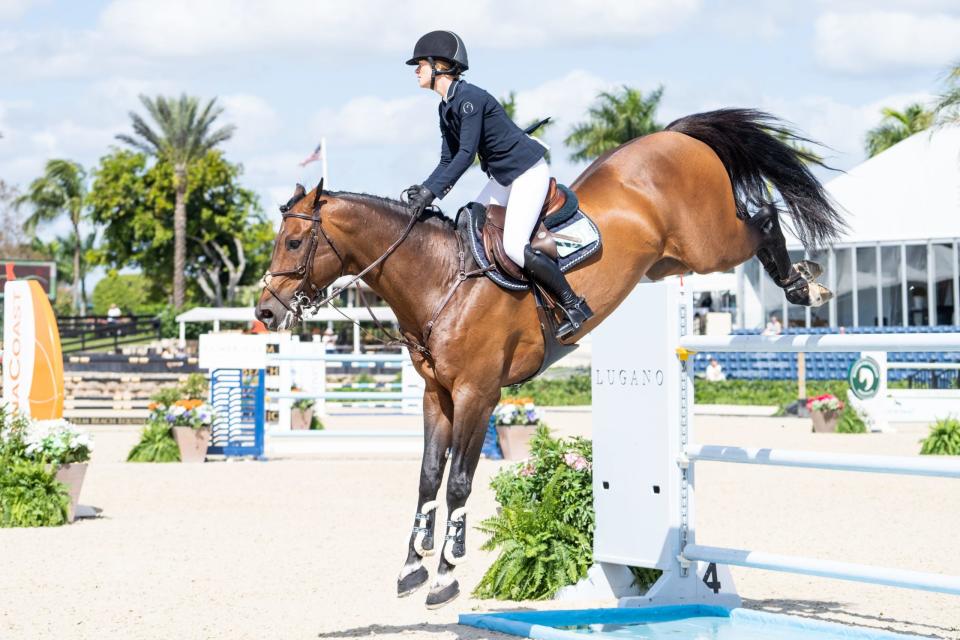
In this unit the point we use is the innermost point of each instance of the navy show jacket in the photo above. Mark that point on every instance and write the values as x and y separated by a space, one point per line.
471 122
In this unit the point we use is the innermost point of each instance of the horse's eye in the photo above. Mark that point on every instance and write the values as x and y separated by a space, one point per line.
293 244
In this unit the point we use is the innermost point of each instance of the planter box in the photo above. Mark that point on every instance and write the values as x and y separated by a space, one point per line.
825 421
301 418
515 440
192 442
72 476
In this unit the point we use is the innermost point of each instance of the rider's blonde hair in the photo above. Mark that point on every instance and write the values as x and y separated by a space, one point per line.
443 65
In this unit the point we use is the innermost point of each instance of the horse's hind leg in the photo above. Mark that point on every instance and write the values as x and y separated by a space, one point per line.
798 281
438 433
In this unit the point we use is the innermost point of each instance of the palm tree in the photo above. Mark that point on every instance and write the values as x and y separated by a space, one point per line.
185 134
61 250
947 109
897 126
615 118
61 189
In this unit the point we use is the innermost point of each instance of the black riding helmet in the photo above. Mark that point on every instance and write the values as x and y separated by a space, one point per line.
441 45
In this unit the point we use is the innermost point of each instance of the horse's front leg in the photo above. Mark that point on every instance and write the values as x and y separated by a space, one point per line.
471 414
437 433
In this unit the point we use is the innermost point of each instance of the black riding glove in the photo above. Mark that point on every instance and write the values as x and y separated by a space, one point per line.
419 196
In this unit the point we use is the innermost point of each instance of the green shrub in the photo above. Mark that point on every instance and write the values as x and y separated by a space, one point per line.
573 390
545 526
763 392
540 553
195 387
129 291
166 396
944 438
30 495
13 431
850 421
525 483
156 445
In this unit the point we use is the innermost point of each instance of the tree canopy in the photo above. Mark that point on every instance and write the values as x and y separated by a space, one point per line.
897 126
226 229
615 118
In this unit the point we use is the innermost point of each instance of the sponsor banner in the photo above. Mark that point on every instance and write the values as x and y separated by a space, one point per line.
32 359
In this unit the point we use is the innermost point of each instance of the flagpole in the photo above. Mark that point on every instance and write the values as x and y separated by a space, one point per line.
323 158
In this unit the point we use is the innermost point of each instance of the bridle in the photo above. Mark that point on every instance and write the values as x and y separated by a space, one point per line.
301 300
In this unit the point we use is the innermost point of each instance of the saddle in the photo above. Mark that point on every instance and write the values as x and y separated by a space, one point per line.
542 239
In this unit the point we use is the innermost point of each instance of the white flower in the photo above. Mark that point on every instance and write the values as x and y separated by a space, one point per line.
178 410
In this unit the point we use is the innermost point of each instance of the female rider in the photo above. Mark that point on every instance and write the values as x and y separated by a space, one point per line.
472 122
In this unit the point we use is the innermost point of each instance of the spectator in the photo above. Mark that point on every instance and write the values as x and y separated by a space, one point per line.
329 338
697 324
113 313
773 328
715 371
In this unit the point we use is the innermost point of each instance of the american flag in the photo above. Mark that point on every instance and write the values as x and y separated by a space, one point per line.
313 157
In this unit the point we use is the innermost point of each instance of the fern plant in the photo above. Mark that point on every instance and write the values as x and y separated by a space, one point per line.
30 495
943 439
540 553
850 421
156 445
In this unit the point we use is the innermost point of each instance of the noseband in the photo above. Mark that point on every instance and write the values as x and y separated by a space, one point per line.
300 298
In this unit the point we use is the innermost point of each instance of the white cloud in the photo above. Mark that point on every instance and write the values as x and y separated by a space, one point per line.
253 117
881 40
186 27
370 120
10 9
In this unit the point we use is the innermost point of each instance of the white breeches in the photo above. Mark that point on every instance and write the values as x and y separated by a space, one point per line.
524 200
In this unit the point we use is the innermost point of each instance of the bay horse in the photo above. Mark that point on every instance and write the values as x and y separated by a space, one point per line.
672 202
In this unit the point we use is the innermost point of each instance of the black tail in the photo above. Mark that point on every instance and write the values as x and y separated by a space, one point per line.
754 148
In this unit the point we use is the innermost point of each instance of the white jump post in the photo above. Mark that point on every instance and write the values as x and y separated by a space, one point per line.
645 454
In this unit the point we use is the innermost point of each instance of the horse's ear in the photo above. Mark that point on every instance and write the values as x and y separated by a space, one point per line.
298 194
316 196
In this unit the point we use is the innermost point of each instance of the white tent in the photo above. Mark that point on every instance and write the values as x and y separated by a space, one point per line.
910 192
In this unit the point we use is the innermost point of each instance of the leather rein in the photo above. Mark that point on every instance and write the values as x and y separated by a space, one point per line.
302 300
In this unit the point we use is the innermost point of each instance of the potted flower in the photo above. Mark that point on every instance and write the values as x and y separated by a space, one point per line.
301 414
825 411
516 420
64 446
189 422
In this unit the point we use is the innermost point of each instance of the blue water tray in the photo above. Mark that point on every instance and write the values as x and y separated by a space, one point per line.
681 622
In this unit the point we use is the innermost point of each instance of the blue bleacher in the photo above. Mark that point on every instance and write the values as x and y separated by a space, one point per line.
820 366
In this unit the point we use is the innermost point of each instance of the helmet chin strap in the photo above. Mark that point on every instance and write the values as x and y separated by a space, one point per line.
434 72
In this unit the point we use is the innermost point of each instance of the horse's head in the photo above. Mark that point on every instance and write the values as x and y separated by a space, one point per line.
305 261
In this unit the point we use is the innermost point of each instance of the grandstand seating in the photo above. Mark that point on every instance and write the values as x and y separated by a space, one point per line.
829 366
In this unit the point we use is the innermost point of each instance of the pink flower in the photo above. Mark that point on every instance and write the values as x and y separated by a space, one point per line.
527 470
575 461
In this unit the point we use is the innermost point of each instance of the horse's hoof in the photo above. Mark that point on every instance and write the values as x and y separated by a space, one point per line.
819 295
809 270
443 595
410 583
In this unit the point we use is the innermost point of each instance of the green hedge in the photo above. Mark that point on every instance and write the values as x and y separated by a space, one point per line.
575 390
764 392
572 390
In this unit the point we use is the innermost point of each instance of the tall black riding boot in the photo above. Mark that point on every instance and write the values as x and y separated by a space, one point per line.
546 272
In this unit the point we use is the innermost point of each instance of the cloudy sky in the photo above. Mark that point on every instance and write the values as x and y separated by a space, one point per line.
291 71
